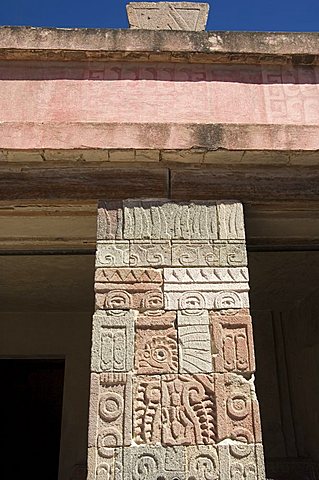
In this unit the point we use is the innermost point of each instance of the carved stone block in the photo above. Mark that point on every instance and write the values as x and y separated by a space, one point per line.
209 300
237 409
110 221
112 253
113 341
233 340
129 276
202 462
155 253
110 422
205 278
155 463
195 350
167 220
241 462
207 254
106 467
156 344
168 15
142 297
147 409
230 221
188 410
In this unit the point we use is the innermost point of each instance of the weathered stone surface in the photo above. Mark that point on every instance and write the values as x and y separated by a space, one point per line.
168 15
154 463
206 300
110 422
200 254
166 220
155 253
233 340
113 341
208 277
105 465
147 409
194 339
230 221
188 410
129 276
241 461
237 409
110 221
112 253
156 344
202 462
147 298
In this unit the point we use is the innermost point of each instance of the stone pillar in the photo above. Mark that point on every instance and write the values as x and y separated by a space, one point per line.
172 387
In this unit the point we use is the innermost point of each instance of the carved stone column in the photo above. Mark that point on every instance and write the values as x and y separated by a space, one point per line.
172 388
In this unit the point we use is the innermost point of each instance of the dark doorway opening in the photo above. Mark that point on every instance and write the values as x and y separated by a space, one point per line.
31 406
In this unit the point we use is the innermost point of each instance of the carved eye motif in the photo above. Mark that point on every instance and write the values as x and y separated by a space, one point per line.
228 300
117 300
192 301
153 300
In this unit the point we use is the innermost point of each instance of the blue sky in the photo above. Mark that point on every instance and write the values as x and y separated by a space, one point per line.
272 15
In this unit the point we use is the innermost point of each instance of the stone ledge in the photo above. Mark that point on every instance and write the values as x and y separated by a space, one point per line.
158 136
138 45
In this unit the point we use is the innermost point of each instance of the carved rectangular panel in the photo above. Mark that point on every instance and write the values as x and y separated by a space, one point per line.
230 221
112 341
205 300
237 409
140 289
168 15
112 253
195 349
207 254
188 410
233 340
105 465
154 463
156 344
147 409
150 253
110 221
241 462
202 462
166 220
110 422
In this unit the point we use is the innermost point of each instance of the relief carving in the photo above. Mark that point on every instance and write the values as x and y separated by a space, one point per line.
147 409
233 339
156 344
110 221
188 410
155 463
194 339
112 341
110 412
206 254
237 409
202 462
208 300
149 220
241 462
112 253
230 221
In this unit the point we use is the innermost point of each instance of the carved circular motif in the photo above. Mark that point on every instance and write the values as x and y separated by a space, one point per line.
191 301
238 406
117 300
107 440
153 300
227 300
111 406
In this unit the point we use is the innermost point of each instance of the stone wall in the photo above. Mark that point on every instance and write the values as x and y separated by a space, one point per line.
172 391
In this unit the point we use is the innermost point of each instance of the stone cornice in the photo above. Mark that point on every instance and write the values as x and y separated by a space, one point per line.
62 44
